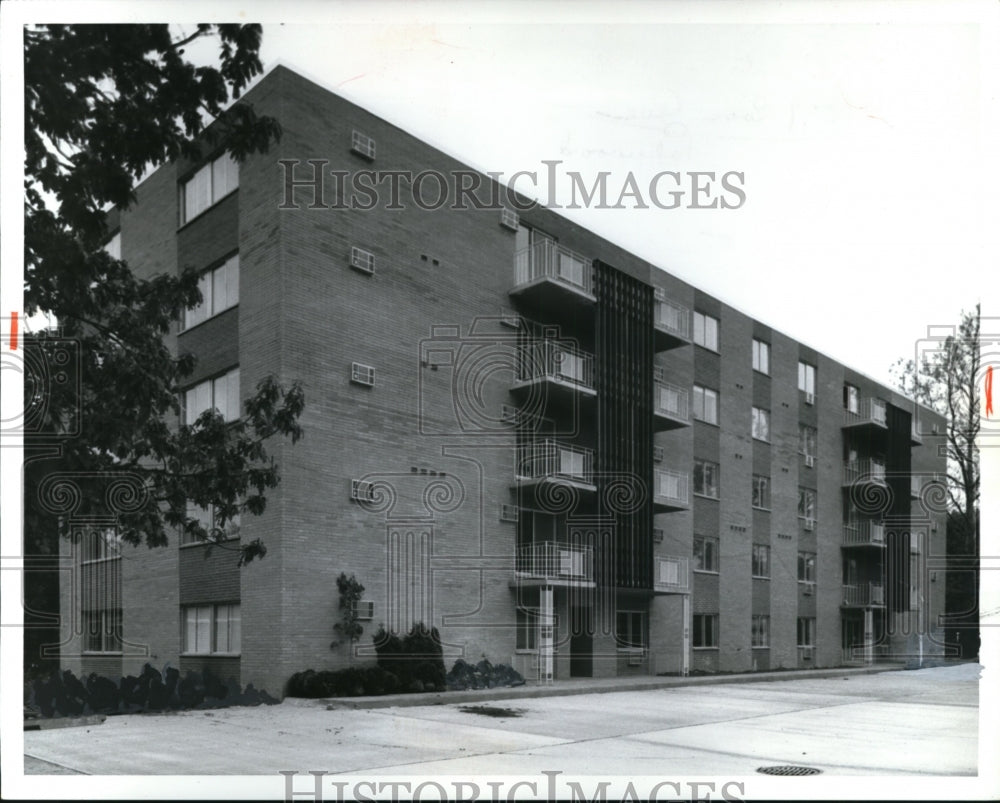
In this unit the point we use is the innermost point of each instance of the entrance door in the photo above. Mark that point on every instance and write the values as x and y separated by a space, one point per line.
581 642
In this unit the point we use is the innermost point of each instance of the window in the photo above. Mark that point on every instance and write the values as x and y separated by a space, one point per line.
761 497
806 631
706 478
706 405
807 504
101 543
362 374
222 393
807 567
630 629
220 290
761 356
706 630
850 398
761 561
706 331
760 631
362 260
761 424
807 441
211 629
527 629
706 554
102 631
208 186
362 145
206 517
807 379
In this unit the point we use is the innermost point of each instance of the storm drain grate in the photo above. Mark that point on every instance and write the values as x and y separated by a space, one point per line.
789 769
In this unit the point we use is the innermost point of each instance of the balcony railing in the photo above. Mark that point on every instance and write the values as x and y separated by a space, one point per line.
549 260
670 488
553 561
864 532
672 318
547 359
864 471
551 459
671 401
869 410
864 595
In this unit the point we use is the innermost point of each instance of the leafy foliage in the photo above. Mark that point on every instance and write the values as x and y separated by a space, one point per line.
350 591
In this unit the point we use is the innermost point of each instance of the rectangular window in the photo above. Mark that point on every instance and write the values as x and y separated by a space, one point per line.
213 182
807 504
807 378
760 631
630 629
761 427
206 518
362 374
211 629
807 440
706 478
102 631
706 630
807 567
705 405
527 629
222 393
706 554
761 496
762 356
706 331
761 561
806 631
220 290
851 402
363 145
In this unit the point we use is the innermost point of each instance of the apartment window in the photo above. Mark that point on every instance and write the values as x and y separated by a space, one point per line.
806 631
362 374
807 379
761 492
706 478
211 629
851 398
761 560
807 441
807 567
102 631
630 629
760 631
527 629
706 630
222 393
705 405
706 554
363 145
807 504
207 518
761 424
761 356
706 331
208 186
220 290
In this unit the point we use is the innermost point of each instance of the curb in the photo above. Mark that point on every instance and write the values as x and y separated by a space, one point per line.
50 723
583 687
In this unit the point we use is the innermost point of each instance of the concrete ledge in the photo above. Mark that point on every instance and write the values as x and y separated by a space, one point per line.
48 723
565 688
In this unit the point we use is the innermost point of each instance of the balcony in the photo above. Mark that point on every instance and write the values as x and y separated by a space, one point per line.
551 461
673 575
551 563
670 406
864 472
864 595
671 324
868 412
864 532
554 371
551 276
670 490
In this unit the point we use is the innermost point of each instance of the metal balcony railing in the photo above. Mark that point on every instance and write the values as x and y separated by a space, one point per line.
869 410
547 359
864 471
864 532
673 318
549 560
552 459
670 487
671 400
549 260
864 595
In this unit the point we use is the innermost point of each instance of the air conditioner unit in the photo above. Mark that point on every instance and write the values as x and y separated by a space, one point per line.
808 589
362 145
809 524
510 319
509 219
658 375
508 512
362 260
362 374
810 461
362 491
657 535
659 294
364 609
810 398
807 653
934 429
657 454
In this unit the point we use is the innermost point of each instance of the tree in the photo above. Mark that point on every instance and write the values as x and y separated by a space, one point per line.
103 105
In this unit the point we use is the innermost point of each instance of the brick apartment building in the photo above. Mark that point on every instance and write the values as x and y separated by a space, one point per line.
560 455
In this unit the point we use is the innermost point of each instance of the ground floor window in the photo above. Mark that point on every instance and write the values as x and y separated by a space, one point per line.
211 629
806 631
760 631
527 629
630 629
706 630
102 631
